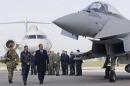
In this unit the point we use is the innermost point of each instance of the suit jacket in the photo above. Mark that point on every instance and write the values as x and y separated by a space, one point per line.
64 59
41 58
25 57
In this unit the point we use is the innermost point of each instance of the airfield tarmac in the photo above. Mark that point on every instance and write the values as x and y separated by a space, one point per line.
91 77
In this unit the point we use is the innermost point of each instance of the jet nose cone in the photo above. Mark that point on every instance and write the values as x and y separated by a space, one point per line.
63 22
59 22
81 23
73 23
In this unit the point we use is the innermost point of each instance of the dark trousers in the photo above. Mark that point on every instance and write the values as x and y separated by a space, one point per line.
33 70
41 73
64 68
72 69
25 71
78 67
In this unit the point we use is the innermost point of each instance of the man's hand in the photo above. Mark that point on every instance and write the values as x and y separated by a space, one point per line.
55 62
17 63
28 63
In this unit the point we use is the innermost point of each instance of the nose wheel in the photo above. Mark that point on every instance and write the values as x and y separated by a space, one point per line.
112 76
110 70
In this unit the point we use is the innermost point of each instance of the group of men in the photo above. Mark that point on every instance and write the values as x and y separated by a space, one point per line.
54 63
42 61
72 61
65 62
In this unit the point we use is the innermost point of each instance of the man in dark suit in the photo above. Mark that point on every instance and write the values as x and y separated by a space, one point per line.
41 61
78 62
72 64
64 62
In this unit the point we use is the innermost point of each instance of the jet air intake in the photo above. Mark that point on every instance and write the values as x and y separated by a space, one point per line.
100 48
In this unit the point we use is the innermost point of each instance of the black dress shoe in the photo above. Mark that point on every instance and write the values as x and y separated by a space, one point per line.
10 81
41 82
25 83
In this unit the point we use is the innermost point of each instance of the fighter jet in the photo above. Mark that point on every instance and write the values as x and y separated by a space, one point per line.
109 32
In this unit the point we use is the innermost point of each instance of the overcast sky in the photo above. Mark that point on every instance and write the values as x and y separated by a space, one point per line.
47 11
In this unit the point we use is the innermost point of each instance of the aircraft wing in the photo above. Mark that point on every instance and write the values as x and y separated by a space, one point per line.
68 34
14 22
114 27
38 22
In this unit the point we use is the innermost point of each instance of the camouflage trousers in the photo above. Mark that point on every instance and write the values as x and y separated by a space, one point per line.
51 69
56 68
10 73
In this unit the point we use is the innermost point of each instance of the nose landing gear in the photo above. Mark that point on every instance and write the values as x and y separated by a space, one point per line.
110 70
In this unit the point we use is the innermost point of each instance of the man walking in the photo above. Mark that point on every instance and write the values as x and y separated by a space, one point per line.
41 60
11 60
25 63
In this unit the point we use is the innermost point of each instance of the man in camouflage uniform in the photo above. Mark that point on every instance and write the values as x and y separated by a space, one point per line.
11 60
51 63
56 64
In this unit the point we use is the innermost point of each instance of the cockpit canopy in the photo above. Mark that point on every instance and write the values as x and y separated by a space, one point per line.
101 7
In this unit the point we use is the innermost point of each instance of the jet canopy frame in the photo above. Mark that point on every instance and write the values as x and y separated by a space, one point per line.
102 7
